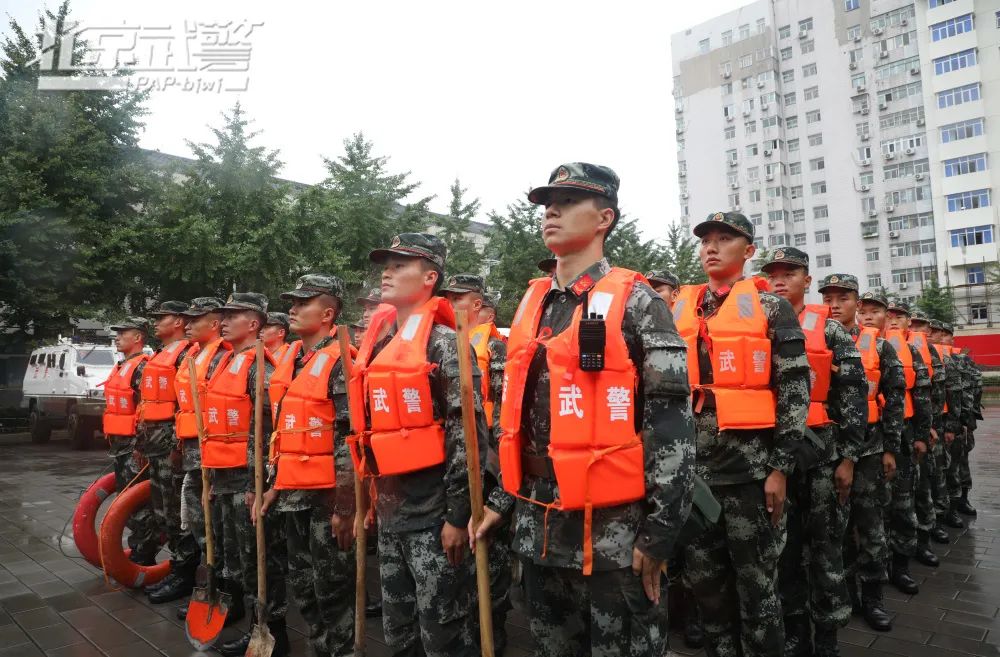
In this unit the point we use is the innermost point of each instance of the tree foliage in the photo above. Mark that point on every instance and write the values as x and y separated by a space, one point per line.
463 257
515 246
680 256
938 302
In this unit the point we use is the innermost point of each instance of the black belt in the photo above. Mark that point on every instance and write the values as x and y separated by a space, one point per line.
537 466
703 400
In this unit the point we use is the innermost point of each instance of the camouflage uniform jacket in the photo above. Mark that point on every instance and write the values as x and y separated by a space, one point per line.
339 500
425 498
939 392
969 375
741 456
886 434
157 436
663 415
847 402
119 445
498 360
922 409
953 394
191 448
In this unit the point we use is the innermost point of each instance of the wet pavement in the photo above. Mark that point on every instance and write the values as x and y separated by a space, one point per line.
52 602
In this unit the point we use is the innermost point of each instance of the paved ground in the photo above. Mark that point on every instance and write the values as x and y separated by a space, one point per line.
54 603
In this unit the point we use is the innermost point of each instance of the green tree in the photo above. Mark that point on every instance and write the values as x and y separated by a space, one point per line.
625 247
680 256
71 180
938 302
462 253
515 246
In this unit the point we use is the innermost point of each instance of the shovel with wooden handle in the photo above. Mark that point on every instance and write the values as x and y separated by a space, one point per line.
208 607
361 540
475 485
261 639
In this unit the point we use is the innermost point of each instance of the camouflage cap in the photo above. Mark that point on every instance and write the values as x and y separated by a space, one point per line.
202 306
788 255
490 301
547 265
947 328
136 323
414 245
663 277
919 316
462 283
842 281
875 296
734 221
313 285
583 176
246 301
374 296
900 307
277 319
169 308
936 324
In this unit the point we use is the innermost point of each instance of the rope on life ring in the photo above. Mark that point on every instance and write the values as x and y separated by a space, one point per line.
112 555
84 533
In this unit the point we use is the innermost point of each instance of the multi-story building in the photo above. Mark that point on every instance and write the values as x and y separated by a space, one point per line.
809 117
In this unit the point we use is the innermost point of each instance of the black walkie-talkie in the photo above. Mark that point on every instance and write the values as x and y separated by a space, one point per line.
592 337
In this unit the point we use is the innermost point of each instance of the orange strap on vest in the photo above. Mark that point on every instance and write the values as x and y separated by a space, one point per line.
184 422
159 401
120 416
227 412
480 338
304 433
919 340
897 339
393 391
813 321
595 448
280 352
739 349
867 344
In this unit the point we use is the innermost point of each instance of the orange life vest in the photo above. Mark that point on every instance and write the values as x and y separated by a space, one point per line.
119 398
919 340
739 349
394 388
185 424
304 432
280 352
227 412
159 400
896 338
596 451
480 338
813 321
867 343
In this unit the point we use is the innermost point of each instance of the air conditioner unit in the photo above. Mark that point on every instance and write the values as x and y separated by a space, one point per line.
853 66
921 122
857 39
890 155
877 31
883 106
684 195
769 177
803 34
678 109
919 176
865 188
890 208
734 185
746 112
726 74
873 213
767 152
894 234
915 70
903 21
910 151
869 235
760 84
884 54
680 129
865 137
736 208
903 286
733 163
682 174
864 110
763 107
860 88
867 162
770 224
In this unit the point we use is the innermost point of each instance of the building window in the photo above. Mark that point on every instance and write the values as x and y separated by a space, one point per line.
824 261
789 99
959 95
866 178
784 31
857 55
818 187
793 145
799 239
795 168
730 132
807 46
853 32
749 128
820 212
874 280
972 236
788 76
756 220
761 23
786 53
979 312
734 200
704 45
792 122
731 155
810 93
746 61
955 61
770 121
751 149
851 5
753 173
806 24
754 195
951 27
960 166
975 275
727 89
817 164
727 37
871 255
744 32
796 191
938 3
798 215
812 116
822 236
979 198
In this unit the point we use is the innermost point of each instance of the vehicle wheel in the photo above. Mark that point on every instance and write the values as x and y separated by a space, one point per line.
80 429
39 427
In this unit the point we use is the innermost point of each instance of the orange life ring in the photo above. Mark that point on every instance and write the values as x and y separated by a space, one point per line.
114 557
84 534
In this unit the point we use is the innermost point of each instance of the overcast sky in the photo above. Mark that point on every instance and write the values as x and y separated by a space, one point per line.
496 94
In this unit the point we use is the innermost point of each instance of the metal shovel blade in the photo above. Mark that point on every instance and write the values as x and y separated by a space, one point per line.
261 641
206 616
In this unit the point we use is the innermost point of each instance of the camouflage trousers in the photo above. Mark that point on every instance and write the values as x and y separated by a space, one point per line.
165 480
733 569
425 600
143 538
959 474
605 614
811 570
902 508
321 579
924 491
939 476
865 545
239 549
501 578
193 517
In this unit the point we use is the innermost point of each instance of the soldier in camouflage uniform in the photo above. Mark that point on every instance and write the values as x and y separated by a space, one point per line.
275 333
903 533
158 443
946 507
369 304
865 544
665 283
960 476
733 567
244 315
616 609
130 338
811 571
319 522
467 293
428 576
932 489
